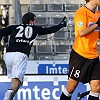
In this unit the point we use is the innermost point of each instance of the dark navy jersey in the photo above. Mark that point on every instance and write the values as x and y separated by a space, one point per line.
22 36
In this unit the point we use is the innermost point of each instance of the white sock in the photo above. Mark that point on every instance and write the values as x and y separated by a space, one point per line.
94 94
66 93
99 96
9 94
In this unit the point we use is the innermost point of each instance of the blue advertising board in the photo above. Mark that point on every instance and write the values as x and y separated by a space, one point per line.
53 69
41 88
47 67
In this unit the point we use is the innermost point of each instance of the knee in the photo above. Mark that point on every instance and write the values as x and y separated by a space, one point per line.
20 76
95 89
71 85
70 89
95 86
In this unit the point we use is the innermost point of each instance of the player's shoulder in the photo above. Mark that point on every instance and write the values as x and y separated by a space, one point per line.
26 25
81 9
23 26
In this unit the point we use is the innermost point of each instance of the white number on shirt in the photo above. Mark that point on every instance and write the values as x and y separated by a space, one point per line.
28 31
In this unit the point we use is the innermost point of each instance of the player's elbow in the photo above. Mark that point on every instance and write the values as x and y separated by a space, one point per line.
81 34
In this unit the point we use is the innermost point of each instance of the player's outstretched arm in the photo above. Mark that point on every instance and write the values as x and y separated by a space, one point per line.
52 29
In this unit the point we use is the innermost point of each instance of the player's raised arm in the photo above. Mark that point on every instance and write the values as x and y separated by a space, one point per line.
52 29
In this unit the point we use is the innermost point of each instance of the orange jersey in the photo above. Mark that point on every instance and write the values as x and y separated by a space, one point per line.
86 46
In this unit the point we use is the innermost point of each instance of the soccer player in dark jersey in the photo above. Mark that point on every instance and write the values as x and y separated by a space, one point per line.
21 39
84 65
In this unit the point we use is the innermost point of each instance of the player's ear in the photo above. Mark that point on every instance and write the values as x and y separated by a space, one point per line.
30 22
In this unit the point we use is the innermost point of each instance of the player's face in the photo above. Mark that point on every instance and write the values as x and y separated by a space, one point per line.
35 20
97 2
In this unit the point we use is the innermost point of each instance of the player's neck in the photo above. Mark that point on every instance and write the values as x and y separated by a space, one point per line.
93 9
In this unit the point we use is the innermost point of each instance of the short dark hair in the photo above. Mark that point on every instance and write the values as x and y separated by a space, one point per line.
27 17
87 1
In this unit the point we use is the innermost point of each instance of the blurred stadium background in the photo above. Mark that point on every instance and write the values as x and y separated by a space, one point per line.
49 53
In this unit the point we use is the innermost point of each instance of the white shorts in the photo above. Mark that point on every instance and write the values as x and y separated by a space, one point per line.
16 63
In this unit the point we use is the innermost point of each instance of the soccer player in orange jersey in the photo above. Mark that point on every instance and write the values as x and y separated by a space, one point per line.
84 65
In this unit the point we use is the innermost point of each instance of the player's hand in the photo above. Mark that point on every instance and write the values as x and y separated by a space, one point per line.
98 22
63 23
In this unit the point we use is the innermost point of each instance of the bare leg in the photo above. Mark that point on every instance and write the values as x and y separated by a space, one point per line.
95 88
70 87
15 85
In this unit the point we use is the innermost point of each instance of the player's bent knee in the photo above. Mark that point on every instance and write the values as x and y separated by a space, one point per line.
95 86
20 76
72 84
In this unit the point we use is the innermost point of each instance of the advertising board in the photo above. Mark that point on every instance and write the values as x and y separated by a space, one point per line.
47 67
40 87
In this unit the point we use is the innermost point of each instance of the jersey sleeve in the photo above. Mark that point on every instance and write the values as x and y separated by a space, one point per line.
5 31
80 20
49 30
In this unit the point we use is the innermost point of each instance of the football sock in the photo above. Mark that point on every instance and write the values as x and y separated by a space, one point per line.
9 95
93 96
65 95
